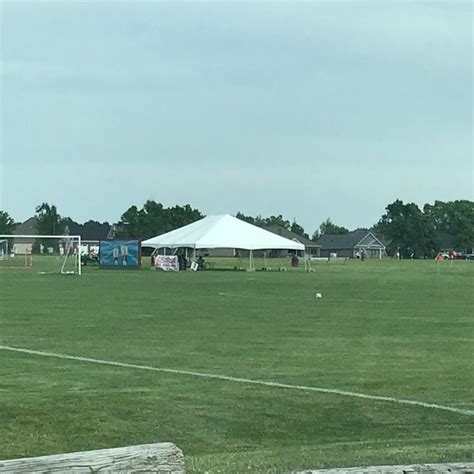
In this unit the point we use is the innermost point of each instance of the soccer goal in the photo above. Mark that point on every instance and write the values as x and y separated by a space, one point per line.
3 249
41 253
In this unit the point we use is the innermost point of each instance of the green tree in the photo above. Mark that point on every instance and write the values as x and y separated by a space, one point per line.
407 229
243 217
259 221
179 216
455 218
297 229
131 224
316 234
327 227
7 224
48 222
277 220
154 219
273 220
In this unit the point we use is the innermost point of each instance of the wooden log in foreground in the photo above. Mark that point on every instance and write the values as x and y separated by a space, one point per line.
158 458
451 468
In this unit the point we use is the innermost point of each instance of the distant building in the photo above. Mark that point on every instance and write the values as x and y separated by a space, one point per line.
26 228
91 233
22 246
311 248
349 245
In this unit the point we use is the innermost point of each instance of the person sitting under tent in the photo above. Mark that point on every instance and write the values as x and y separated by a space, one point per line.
94 255
182 262
200 262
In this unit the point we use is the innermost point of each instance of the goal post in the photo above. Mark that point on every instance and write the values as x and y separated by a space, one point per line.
42 253
3 249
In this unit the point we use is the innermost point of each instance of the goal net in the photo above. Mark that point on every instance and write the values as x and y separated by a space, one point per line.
41 253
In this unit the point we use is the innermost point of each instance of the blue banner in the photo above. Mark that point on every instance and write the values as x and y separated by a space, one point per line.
120 254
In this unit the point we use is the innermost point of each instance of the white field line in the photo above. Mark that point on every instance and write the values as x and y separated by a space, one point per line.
227 378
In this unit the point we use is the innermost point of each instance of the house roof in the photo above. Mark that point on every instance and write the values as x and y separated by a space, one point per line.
90 230
370 240
288 234
26 228
361 237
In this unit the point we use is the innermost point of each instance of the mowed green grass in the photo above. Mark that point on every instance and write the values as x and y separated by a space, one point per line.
389 328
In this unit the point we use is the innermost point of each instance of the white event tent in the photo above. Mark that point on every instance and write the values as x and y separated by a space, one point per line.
223 231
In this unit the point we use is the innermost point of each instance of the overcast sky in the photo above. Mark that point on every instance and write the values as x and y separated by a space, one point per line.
312 110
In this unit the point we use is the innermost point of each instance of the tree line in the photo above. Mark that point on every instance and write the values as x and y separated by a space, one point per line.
404 228
414 231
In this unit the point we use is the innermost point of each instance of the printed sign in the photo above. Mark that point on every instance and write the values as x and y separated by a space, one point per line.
120 254
167 263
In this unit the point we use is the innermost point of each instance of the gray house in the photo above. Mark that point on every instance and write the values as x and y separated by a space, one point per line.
311 248
350 244
22 246
91 233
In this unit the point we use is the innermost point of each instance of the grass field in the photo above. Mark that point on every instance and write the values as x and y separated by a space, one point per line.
386 328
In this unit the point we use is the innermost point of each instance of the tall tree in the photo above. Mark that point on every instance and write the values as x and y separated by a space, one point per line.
90 230
243 217
259 221
154 219
7 224
455 218
179 216
407 230
48 222
277 220
273 220
132 224
315 235
327 227
297 229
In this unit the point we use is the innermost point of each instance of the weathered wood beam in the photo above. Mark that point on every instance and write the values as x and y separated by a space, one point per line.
452 468
157 458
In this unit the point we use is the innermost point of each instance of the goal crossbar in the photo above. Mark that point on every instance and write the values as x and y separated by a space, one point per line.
77 238
32 237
